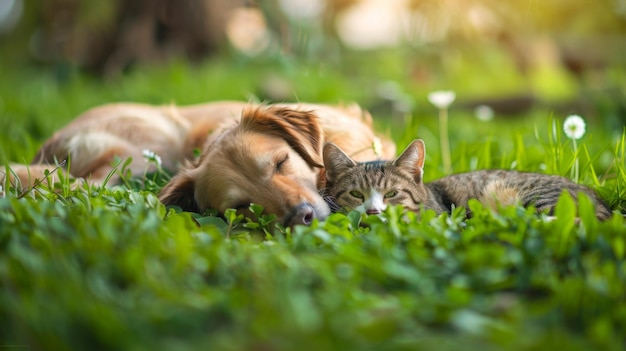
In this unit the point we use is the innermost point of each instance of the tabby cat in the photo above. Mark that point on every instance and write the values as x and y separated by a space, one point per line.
370 186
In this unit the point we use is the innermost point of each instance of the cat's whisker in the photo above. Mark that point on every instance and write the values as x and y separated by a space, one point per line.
331 201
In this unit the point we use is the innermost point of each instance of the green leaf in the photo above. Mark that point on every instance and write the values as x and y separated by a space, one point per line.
565 213
217 222
355 219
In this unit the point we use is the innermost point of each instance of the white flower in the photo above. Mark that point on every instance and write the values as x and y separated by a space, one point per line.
484 113
377 146
574 127
151 156
442 99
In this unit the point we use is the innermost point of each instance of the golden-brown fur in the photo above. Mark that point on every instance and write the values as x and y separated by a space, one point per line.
22 177
272 157
93 140
242 150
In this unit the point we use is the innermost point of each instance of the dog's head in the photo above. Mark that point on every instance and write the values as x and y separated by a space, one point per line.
271 157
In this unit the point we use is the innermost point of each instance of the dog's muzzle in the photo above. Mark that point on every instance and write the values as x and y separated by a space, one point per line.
303 214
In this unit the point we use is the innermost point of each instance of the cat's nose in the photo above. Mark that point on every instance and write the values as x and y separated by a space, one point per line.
372 211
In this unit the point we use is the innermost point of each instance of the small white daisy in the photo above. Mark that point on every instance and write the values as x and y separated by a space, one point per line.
442 99
151 156
574 127
484 113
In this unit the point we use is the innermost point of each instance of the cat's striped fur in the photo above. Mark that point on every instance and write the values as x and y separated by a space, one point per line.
370 186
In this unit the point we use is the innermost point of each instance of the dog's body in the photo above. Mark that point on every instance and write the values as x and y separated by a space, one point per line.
93 140
265 154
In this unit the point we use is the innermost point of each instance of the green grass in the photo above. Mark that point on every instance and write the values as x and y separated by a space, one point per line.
98 268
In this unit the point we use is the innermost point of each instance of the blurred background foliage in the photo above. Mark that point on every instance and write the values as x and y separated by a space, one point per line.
514 58
109 269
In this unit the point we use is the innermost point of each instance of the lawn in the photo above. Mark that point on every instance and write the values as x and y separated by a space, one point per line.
112 268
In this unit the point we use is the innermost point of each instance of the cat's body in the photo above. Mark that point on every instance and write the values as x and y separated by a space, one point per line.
504 188
370 186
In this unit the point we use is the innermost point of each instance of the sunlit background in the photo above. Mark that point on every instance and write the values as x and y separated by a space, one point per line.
503 57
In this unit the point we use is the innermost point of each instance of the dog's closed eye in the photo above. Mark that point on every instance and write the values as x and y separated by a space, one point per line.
280 163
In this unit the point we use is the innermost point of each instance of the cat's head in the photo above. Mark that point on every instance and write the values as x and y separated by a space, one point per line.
370 186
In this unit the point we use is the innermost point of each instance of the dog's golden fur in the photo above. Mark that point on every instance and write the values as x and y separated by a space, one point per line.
266 154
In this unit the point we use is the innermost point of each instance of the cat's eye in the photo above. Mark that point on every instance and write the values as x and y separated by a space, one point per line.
356 194
391 194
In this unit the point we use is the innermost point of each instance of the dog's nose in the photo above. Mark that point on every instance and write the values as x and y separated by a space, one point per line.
304 213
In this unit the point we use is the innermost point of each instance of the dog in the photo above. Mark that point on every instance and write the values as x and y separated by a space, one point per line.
268 154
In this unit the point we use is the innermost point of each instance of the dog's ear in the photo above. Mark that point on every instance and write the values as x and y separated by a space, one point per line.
301 129
180 191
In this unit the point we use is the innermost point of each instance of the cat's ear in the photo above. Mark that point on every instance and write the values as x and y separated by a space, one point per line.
335 161
412 159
